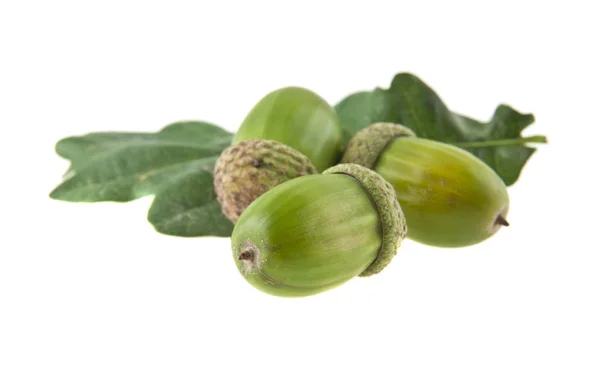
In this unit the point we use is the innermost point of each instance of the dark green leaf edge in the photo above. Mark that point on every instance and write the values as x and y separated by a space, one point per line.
173 211
411 102
189 208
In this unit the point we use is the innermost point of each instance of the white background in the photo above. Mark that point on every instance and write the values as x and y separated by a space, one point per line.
89 292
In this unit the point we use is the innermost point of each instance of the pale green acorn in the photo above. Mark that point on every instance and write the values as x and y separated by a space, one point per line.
300 119
316 232
450 197
289 133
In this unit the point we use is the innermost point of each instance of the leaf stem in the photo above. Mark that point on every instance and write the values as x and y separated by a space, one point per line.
503 142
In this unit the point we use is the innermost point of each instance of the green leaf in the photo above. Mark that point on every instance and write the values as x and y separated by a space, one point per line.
120 167
188 207
412 103
174 164
359 110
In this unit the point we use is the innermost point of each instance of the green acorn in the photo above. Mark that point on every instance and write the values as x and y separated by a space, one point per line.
247 169
316 232
299 118
449 196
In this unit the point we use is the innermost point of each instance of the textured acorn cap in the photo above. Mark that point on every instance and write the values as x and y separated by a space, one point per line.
366 145
249 168
392 218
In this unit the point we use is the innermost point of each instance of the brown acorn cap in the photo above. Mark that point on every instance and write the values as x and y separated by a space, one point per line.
391 216
249 168
366 145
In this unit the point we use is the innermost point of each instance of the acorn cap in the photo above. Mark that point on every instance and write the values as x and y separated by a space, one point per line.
392 218
366 145
249 168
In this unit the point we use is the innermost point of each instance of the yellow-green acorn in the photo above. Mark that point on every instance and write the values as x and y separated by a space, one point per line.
450 197
247 169
316 232
299 118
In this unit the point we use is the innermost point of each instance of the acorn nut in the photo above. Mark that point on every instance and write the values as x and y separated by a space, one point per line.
299 118
450 197
247 169
316 232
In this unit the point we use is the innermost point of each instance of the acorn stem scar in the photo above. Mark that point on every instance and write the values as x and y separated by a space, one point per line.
247 255
500 220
